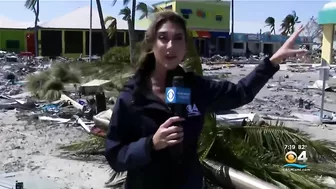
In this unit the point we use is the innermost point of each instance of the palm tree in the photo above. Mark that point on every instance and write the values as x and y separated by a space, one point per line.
293 19
288 23
103 28
270 22
35 6
129 16
112 26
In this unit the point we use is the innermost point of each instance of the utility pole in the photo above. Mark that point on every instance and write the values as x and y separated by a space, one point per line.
260 44
232 28
90 33
37 12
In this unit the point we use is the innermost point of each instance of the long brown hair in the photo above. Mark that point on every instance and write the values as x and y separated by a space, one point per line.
146 63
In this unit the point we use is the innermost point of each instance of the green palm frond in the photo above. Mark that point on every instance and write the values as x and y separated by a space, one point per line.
93 145
288 23
53 84
51 95
49 84
126 13
143 9
66 73
192 60
259 151
270 22
125 2
30 4
208 136
116 180
37 80
112 26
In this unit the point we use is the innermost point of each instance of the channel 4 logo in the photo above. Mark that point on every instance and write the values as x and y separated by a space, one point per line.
294 161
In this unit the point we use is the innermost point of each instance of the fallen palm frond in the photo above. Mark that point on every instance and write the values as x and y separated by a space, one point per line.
37 80
66 73
49 84
94 145
260 151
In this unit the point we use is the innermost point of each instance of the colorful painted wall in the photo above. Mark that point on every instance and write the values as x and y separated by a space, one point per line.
168 5
205 15
145 22
13 40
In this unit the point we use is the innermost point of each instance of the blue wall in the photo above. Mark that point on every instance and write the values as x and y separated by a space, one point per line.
244 37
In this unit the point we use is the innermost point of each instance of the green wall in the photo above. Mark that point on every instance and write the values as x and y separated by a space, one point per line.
197 20
12 34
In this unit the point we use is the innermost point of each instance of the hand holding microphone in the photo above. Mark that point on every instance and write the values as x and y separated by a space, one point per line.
167 134
178 97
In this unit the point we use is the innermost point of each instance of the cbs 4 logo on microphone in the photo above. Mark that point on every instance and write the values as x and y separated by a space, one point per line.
296 161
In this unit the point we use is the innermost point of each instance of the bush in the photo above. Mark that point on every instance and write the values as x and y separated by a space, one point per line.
117 55
120 55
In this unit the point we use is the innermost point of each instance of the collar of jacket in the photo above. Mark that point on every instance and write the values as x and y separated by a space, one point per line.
144 97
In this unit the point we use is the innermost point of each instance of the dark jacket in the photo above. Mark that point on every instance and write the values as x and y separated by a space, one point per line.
137 116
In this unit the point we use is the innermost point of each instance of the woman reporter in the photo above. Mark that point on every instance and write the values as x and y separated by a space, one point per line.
143 128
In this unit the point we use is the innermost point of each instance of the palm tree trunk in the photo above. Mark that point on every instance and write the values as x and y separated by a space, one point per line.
131 33
103 28
37 12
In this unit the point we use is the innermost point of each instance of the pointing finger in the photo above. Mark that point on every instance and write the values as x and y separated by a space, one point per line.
297 32
293 52
298 51
294 36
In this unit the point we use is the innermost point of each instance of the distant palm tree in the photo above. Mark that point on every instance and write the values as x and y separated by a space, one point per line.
288 23
112 26
129 16
35 6
270 22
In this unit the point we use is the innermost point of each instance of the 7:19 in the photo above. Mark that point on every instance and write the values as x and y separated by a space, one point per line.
289 147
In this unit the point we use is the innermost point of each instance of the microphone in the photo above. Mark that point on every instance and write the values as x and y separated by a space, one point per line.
178 97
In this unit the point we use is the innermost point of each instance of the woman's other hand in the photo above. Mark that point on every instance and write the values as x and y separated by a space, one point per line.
287 49
167 134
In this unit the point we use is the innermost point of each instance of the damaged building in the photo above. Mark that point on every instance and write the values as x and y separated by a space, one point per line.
68 35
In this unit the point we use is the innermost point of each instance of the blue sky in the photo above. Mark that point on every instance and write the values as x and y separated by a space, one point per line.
249 14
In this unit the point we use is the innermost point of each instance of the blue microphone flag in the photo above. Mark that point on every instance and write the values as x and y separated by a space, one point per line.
177 95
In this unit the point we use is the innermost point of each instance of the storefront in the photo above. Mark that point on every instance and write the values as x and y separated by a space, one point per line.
13 40
253 44
210 22
239 44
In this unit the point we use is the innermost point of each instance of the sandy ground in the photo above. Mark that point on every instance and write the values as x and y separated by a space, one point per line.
29 148
29 151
